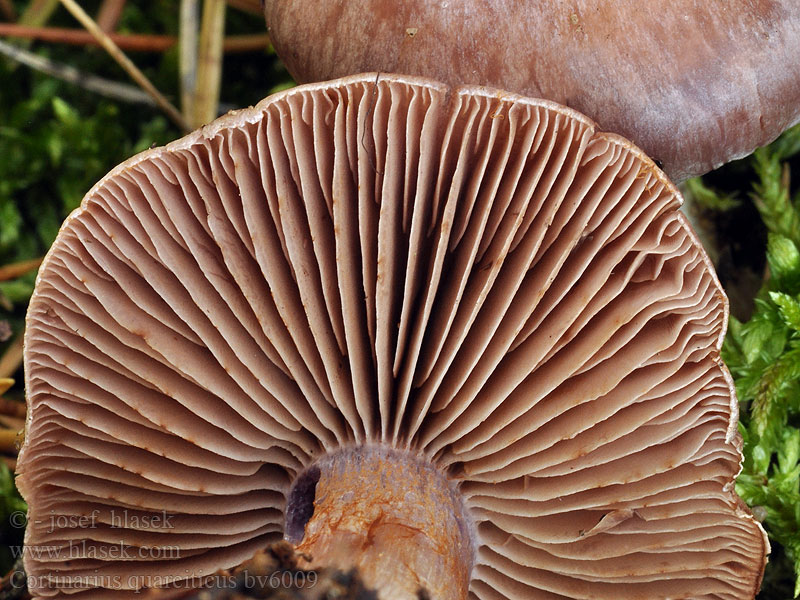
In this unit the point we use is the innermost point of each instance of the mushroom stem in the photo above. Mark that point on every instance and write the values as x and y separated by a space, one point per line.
392 516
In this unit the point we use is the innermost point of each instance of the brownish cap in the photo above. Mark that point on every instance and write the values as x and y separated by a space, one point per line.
694 84
376 315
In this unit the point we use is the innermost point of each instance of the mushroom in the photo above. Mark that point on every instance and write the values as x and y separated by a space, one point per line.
458 339
694 84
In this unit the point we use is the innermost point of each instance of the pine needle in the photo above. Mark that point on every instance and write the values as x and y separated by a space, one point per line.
118 55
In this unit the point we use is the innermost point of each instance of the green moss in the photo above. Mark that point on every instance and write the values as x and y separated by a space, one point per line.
763 355
57 140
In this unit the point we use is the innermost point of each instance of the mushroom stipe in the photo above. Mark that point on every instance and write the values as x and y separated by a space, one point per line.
479 353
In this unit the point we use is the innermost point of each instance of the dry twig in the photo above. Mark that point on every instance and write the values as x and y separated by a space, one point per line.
5 333
12 359
109 14
105 87
118 55
133 42
38 12
205 99
15 270
9 441
8 11
189 33
12 407
249 6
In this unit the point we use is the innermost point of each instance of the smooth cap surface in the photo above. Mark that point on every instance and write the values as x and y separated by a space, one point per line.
694 84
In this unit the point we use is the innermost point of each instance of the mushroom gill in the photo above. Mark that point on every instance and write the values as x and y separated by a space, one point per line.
455 330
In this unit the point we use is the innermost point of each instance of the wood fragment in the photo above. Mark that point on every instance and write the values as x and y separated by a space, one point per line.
13 585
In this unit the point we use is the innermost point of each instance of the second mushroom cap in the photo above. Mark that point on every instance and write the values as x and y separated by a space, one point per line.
694 84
